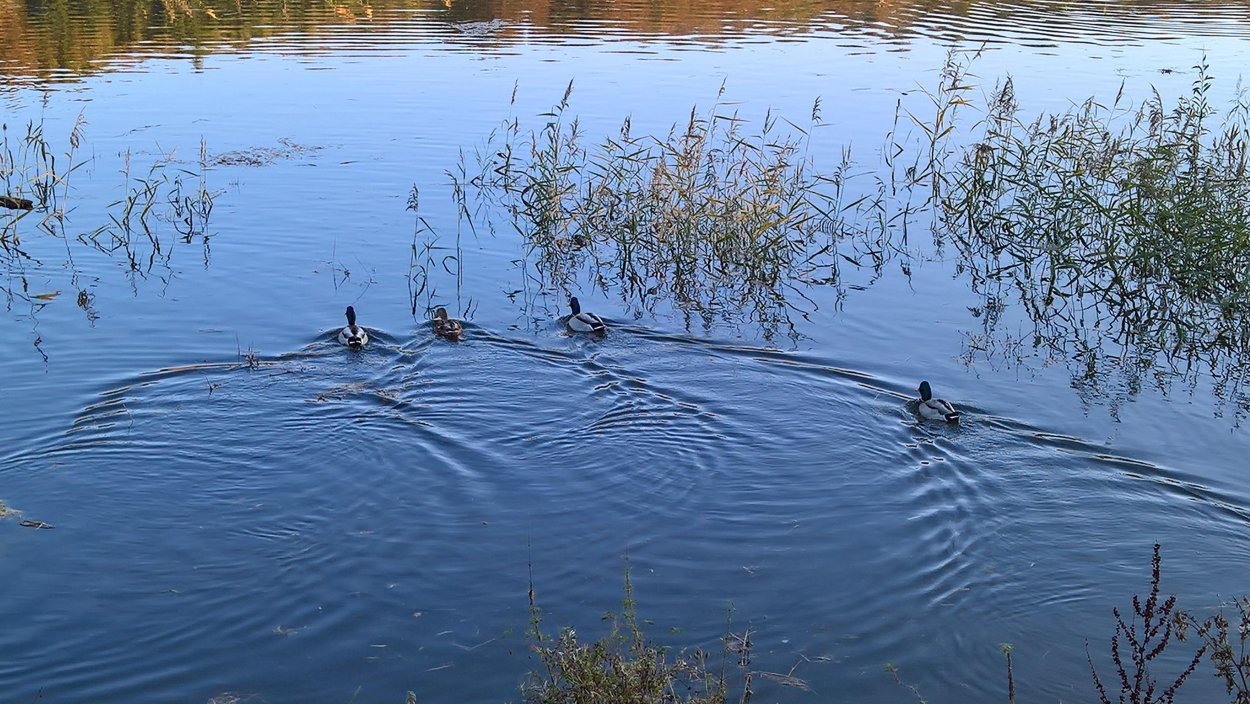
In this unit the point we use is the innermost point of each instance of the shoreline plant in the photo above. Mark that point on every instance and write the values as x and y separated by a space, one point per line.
1228 642
1139 641
623 667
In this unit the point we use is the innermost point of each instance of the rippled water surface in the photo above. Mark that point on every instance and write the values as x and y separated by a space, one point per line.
241 506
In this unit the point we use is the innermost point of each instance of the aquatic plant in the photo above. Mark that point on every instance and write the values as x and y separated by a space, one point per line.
162 194
1120 232
426 256
36 175
895 672
1123 232
717 220
624 667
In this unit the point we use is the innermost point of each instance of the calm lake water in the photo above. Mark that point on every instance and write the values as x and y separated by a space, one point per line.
244 508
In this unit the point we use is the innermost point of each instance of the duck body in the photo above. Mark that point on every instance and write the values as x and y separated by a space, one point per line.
935 408
445 326
354 336
581 321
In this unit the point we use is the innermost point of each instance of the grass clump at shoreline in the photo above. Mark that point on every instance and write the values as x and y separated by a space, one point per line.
624 668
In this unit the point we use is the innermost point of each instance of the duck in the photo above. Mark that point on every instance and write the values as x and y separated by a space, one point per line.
580 321
447 327
935 408
354 336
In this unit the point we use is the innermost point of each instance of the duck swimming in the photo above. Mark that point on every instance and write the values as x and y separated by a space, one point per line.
580 321
354 336
935 408
447 327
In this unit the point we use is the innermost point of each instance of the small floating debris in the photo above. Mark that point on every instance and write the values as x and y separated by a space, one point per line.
16 203
27 523
479 28
262 156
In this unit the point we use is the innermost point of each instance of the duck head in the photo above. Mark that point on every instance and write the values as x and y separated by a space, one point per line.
926 393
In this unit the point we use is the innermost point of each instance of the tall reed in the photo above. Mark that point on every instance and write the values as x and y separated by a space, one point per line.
1122 230
716 219
166 195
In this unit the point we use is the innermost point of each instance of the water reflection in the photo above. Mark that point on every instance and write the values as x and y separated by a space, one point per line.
45 38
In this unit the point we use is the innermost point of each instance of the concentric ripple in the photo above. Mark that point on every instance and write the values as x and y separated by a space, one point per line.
387 508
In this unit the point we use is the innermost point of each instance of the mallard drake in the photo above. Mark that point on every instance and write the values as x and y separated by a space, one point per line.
446 327
353 335
580 321
935 408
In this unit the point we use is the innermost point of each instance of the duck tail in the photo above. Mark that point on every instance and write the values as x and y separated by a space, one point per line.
952 417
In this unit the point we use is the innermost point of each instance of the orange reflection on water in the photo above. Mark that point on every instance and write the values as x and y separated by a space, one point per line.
40 38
